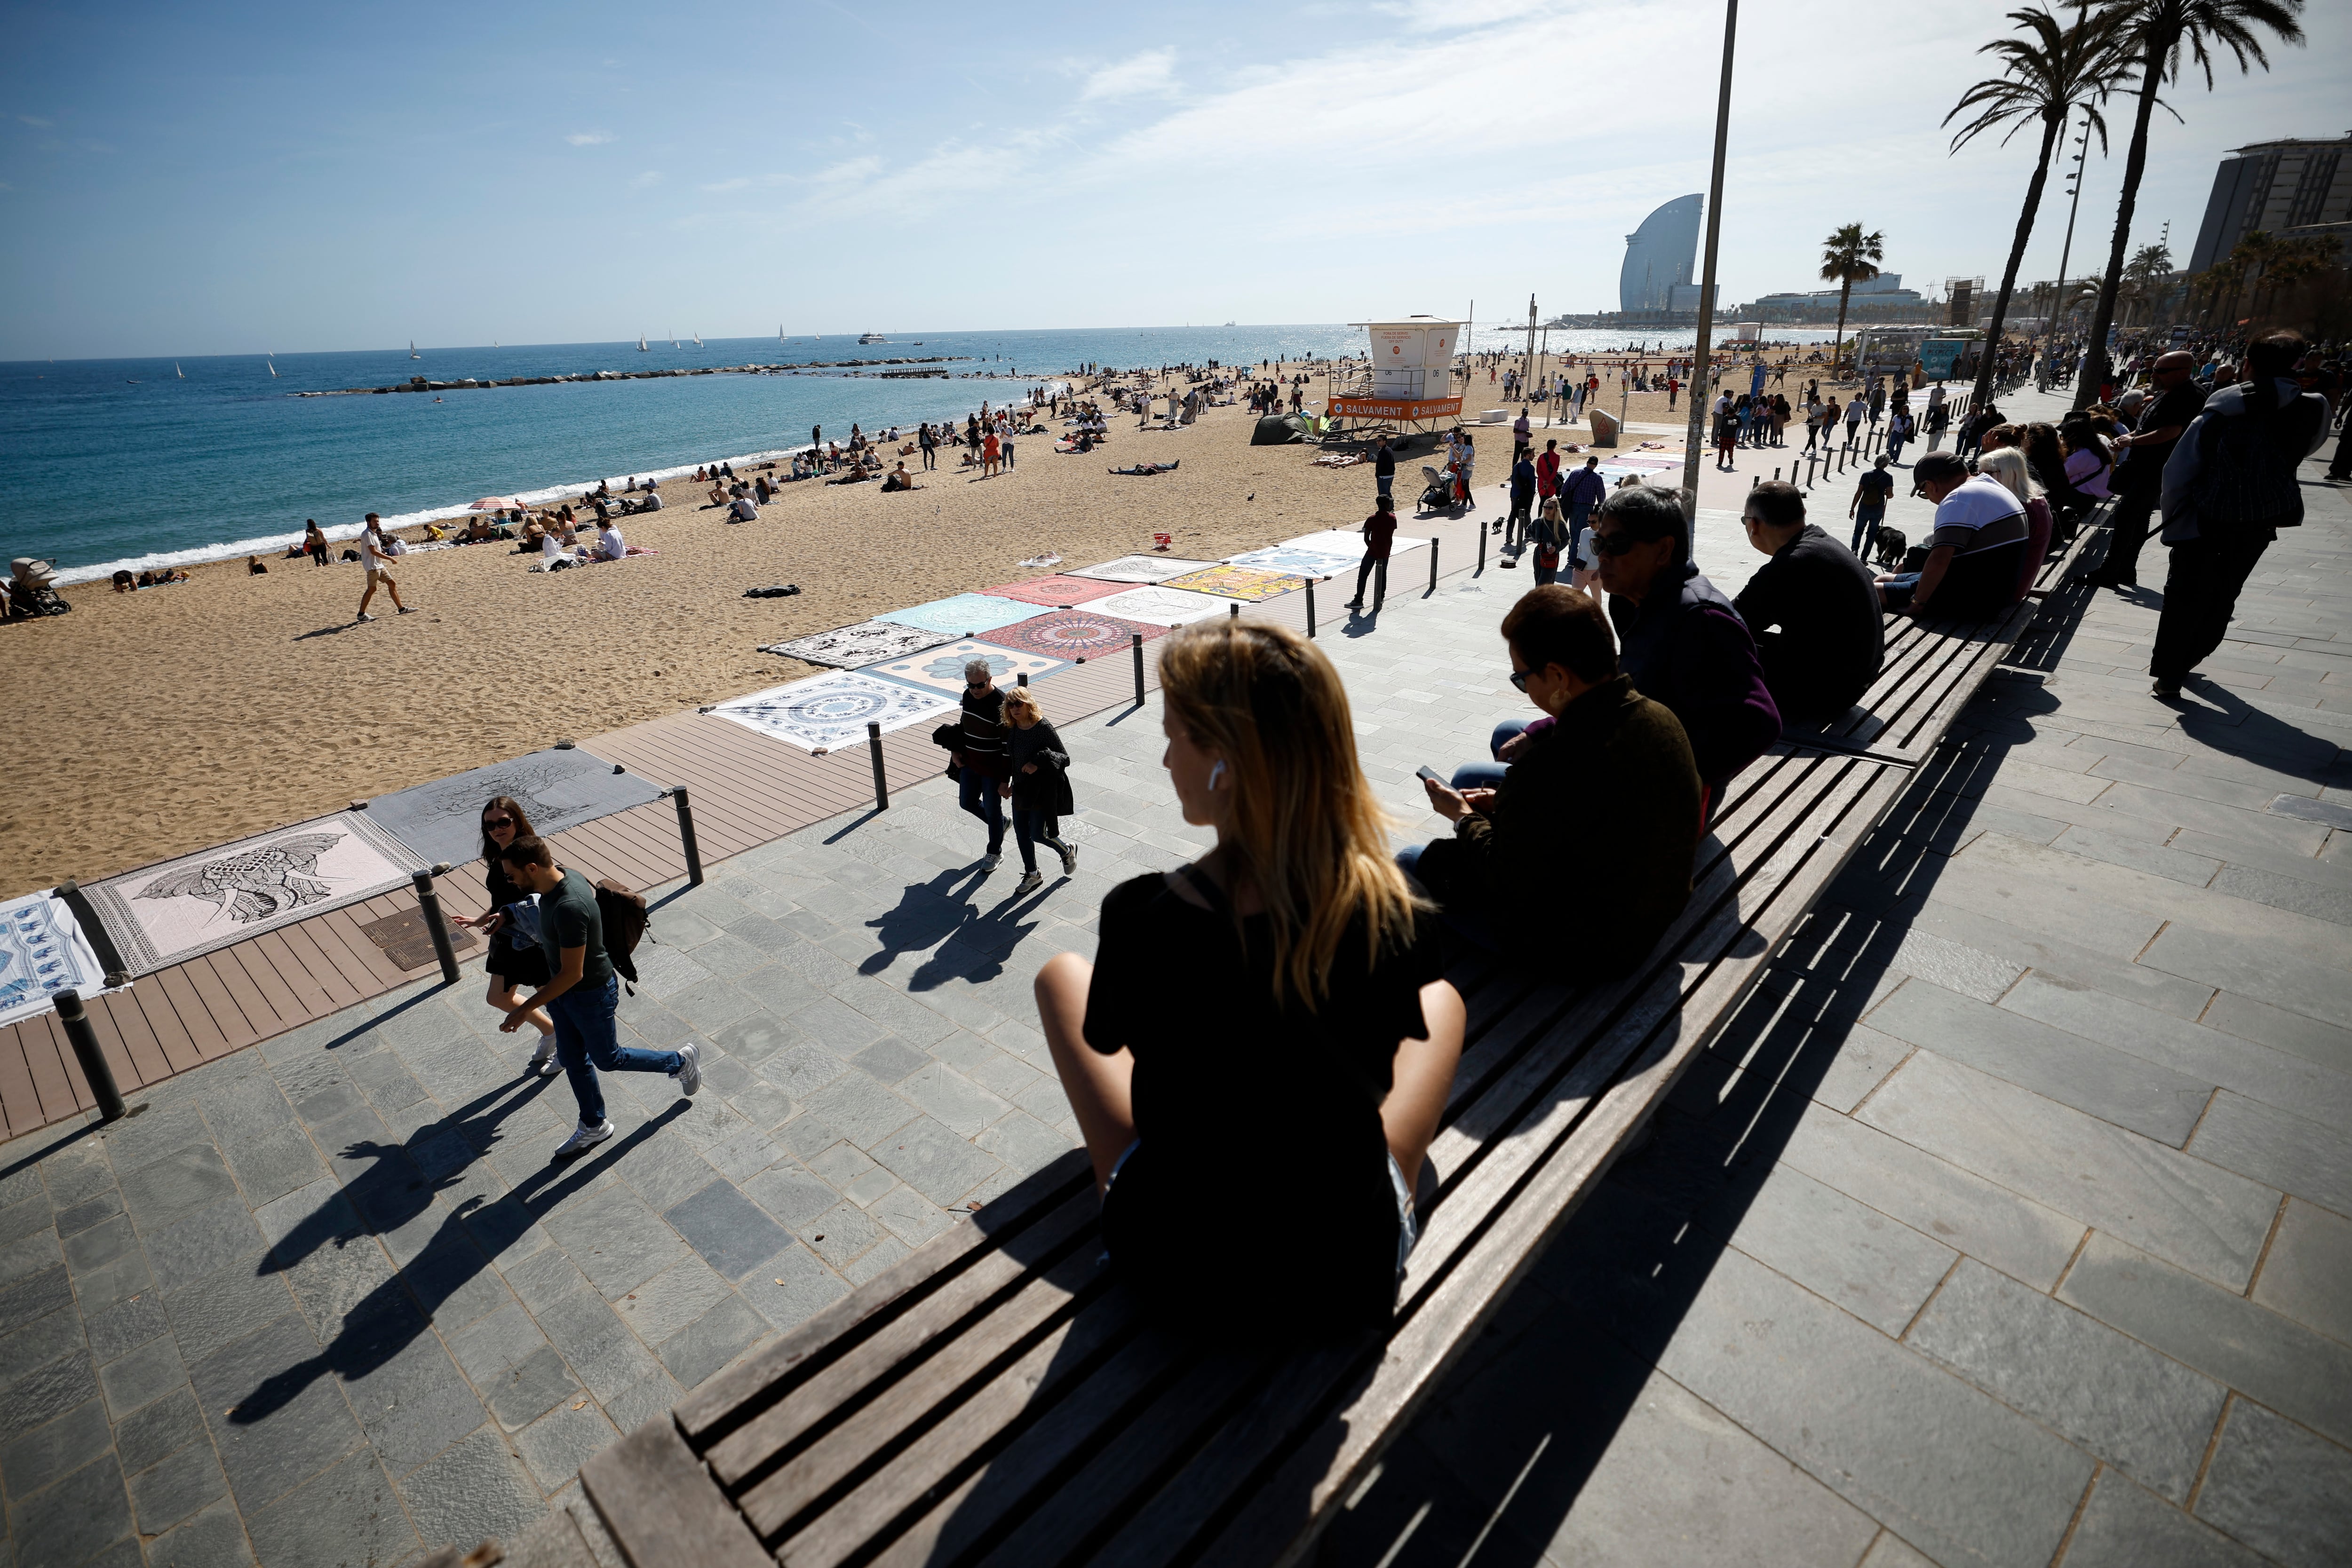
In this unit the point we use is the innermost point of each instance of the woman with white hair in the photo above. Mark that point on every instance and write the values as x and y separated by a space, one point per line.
2009 466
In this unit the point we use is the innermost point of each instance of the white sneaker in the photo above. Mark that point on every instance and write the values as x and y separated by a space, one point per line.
584 1138
543 1061
363 615
690 1068
1069 859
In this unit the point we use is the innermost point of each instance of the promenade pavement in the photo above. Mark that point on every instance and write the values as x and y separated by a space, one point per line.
2022 1183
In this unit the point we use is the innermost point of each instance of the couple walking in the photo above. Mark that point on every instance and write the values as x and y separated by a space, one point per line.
1005 750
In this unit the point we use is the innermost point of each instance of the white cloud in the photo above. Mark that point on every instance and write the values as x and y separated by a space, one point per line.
589 138
36 121
737 183
651 177
1149 74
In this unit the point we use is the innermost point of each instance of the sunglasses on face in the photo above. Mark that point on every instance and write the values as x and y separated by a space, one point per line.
1613 544
1519 679
494 823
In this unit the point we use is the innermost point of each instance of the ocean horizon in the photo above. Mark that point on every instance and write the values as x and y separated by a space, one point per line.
144 463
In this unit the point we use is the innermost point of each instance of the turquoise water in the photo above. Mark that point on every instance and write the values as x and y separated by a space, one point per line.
146 463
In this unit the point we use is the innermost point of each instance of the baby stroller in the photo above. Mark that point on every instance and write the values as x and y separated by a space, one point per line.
1437 492
30 590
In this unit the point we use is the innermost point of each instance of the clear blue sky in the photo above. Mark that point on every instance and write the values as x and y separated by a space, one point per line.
192 179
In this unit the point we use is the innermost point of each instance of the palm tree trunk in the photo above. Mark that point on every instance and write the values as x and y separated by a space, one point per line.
1837 344
2095 364
2050 129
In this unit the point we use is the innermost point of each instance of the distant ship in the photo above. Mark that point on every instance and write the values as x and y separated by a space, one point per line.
697 339
872 338
641 344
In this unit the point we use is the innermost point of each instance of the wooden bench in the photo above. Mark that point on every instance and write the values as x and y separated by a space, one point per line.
997 1398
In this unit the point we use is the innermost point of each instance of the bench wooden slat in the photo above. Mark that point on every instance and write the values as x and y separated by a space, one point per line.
662 1507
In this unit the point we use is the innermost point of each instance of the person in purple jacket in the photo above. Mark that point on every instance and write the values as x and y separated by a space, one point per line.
1679 637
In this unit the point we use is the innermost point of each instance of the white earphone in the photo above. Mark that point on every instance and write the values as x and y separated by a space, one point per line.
1216 773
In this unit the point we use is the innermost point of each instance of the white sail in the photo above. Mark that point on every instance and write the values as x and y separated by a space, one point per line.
412 350
178 372
697 339
641 343
273 367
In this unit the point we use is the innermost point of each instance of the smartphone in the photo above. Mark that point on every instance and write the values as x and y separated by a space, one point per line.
1426 772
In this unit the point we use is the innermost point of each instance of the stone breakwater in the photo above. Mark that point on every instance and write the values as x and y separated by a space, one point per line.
855 367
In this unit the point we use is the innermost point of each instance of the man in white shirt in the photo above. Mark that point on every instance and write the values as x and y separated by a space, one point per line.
653 501
609 544
743 509
1976 556
375 555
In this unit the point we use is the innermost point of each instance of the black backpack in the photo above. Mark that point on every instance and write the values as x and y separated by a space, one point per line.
625 921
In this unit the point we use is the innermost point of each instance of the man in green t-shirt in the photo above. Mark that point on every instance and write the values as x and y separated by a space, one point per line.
582 996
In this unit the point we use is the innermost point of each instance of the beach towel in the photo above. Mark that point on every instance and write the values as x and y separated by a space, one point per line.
1239 582
962 614
1076 635
1141 569
1160 606
941 669
180 909
1349 543
1057 592
559 788
42 952
1301 562
850 647
826 712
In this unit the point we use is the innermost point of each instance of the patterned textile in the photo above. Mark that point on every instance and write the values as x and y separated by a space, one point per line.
1054 593
964 615
1142 569
42 952
826 712
1301 562
851 647
1239 582
1350 543
1077 635
201 903
941 669
1160 606
443 820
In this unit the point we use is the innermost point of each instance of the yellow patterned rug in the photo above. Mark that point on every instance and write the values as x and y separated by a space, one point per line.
1246 583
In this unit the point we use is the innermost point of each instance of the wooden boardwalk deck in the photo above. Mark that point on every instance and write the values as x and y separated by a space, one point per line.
745 789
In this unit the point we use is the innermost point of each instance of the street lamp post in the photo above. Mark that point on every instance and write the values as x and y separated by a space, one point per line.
2066 252
1702 355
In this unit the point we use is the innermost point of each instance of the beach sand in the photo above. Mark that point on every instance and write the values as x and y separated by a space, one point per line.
154 723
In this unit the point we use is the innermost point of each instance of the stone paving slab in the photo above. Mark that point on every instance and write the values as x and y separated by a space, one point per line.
2005 1221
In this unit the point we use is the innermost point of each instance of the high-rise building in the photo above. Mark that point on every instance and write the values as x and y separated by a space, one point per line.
2276 186
1659 255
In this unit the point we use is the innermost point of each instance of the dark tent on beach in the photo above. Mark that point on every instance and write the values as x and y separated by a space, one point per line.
1280 429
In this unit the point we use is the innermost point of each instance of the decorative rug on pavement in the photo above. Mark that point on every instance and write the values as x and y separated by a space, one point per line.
43 952
1076 635
1141 569
1350 543
559 788
1239 582
962 616
1301 562
1161 606
180 909
941 669
1057 593
851 647
824 713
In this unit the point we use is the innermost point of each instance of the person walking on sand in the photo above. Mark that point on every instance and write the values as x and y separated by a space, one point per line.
314 541
582 993
375 555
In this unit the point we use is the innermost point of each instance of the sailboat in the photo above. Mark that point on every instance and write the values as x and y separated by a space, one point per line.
412 350
178 372
780 331
697 339
641 344
673 336
273 368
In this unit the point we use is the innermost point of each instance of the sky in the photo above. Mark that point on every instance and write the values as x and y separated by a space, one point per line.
196 178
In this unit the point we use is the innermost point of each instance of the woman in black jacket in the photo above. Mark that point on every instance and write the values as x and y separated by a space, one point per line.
517 965
1041 786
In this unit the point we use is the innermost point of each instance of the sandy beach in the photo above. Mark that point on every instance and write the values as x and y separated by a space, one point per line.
166 720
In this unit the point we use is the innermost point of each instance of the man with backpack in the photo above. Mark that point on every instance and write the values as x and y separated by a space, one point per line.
585 992
2229 486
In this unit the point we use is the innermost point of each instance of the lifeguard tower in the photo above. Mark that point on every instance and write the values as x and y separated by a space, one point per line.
1406 382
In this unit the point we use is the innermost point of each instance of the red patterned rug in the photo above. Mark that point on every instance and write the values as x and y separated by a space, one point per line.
1077 635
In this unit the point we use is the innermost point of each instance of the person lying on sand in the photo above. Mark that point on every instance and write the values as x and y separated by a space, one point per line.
1148 468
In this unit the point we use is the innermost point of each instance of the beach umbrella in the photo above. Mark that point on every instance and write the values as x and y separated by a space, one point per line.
494 503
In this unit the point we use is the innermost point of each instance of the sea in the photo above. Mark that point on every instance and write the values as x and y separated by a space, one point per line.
140 463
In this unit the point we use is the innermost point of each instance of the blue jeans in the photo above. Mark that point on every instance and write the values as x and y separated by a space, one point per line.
586 1039
1865 523
977 794
1028 833
1488 775
1385 481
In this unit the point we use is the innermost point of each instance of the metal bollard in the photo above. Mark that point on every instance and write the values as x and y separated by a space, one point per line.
1380 583
1310 610
1020 678
1433 563
1139 668
687 840
1234 610
873 750
1482 553
84 1039
429 902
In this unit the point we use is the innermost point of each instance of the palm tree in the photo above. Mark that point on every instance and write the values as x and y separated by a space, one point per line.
2144 276
2155 34
2043 76
1849 257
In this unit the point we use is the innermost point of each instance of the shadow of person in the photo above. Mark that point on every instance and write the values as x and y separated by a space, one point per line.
392 1315
976 948
926 914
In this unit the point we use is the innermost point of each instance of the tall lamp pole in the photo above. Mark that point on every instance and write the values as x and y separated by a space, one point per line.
2066 250
1702 357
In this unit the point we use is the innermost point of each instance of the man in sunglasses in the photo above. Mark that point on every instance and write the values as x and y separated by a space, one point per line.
1679 638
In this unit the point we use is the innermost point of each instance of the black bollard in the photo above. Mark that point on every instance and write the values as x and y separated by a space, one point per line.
1020 678
1139 668
686 838
1432 564
1482 554
1310 610
429 902
873 750
1234 610
84 1039
1380 583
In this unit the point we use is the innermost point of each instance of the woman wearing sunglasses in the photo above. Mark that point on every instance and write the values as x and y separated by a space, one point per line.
517 961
